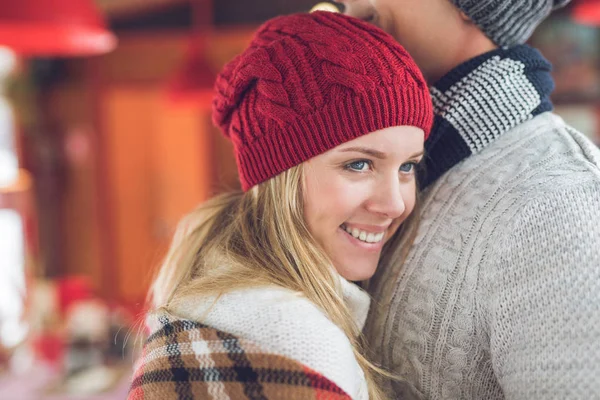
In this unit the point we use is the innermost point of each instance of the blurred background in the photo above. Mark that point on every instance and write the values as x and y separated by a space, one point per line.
106 142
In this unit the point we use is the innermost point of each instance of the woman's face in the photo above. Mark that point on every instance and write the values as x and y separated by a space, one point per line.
357 195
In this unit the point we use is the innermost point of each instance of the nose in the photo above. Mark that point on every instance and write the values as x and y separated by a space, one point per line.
388 198
360 9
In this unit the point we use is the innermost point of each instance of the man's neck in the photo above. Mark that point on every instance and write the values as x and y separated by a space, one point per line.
473 46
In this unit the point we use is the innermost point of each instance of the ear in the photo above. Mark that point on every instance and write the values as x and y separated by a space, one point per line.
465 17
466 20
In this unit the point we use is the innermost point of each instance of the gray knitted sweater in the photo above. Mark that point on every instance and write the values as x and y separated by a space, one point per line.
499 297
500 294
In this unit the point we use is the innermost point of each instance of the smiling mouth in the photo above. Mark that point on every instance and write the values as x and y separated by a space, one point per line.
364 236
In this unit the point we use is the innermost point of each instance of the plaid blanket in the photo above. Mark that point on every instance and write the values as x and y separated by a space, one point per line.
185 360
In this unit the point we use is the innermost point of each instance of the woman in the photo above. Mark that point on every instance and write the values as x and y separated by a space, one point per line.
328 116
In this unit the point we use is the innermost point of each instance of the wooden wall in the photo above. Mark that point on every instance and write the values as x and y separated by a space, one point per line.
135 162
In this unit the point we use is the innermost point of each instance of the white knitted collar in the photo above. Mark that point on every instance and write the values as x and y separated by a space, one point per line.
356 299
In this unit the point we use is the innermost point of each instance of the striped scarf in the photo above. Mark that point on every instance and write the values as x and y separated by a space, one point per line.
482 99
186 360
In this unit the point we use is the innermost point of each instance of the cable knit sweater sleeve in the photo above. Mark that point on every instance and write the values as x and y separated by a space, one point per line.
542 302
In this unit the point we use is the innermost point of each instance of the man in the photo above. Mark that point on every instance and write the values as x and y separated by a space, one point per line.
499 295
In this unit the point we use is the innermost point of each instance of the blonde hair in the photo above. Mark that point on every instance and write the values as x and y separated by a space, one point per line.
240 240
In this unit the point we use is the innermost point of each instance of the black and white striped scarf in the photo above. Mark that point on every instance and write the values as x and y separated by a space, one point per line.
482 99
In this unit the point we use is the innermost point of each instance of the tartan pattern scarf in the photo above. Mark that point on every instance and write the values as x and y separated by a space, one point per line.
187 360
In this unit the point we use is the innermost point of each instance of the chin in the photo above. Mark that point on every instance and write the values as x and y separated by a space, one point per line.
356 273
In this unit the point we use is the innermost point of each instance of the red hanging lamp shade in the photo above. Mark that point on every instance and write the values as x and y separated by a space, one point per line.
193 83
54 28
587 12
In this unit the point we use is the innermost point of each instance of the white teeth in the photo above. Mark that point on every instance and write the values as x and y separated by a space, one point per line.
364 236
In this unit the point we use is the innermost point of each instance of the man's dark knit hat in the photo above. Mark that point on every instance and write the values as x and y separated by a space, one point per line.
508 22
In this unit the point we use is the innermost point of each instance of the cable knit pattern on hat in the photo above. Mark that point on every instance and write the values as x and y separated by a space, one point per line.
309 82
508 22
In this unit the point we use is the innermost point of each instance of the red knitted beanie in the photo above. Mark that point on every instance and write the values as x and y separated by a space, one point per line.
309 82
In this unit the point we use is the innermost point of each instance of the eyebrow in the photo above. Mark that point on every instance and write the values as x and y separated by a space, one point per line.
374 153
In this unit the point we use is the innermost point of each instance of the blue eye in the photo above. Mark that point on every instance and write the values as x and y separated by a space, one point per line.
359 166
408 167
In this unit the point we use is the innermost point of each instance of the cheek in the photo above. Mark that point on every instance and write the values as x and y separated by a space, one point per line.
328 202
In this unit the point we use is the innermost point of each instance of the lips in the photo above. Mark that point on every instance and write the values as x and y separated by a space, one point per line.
363 235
